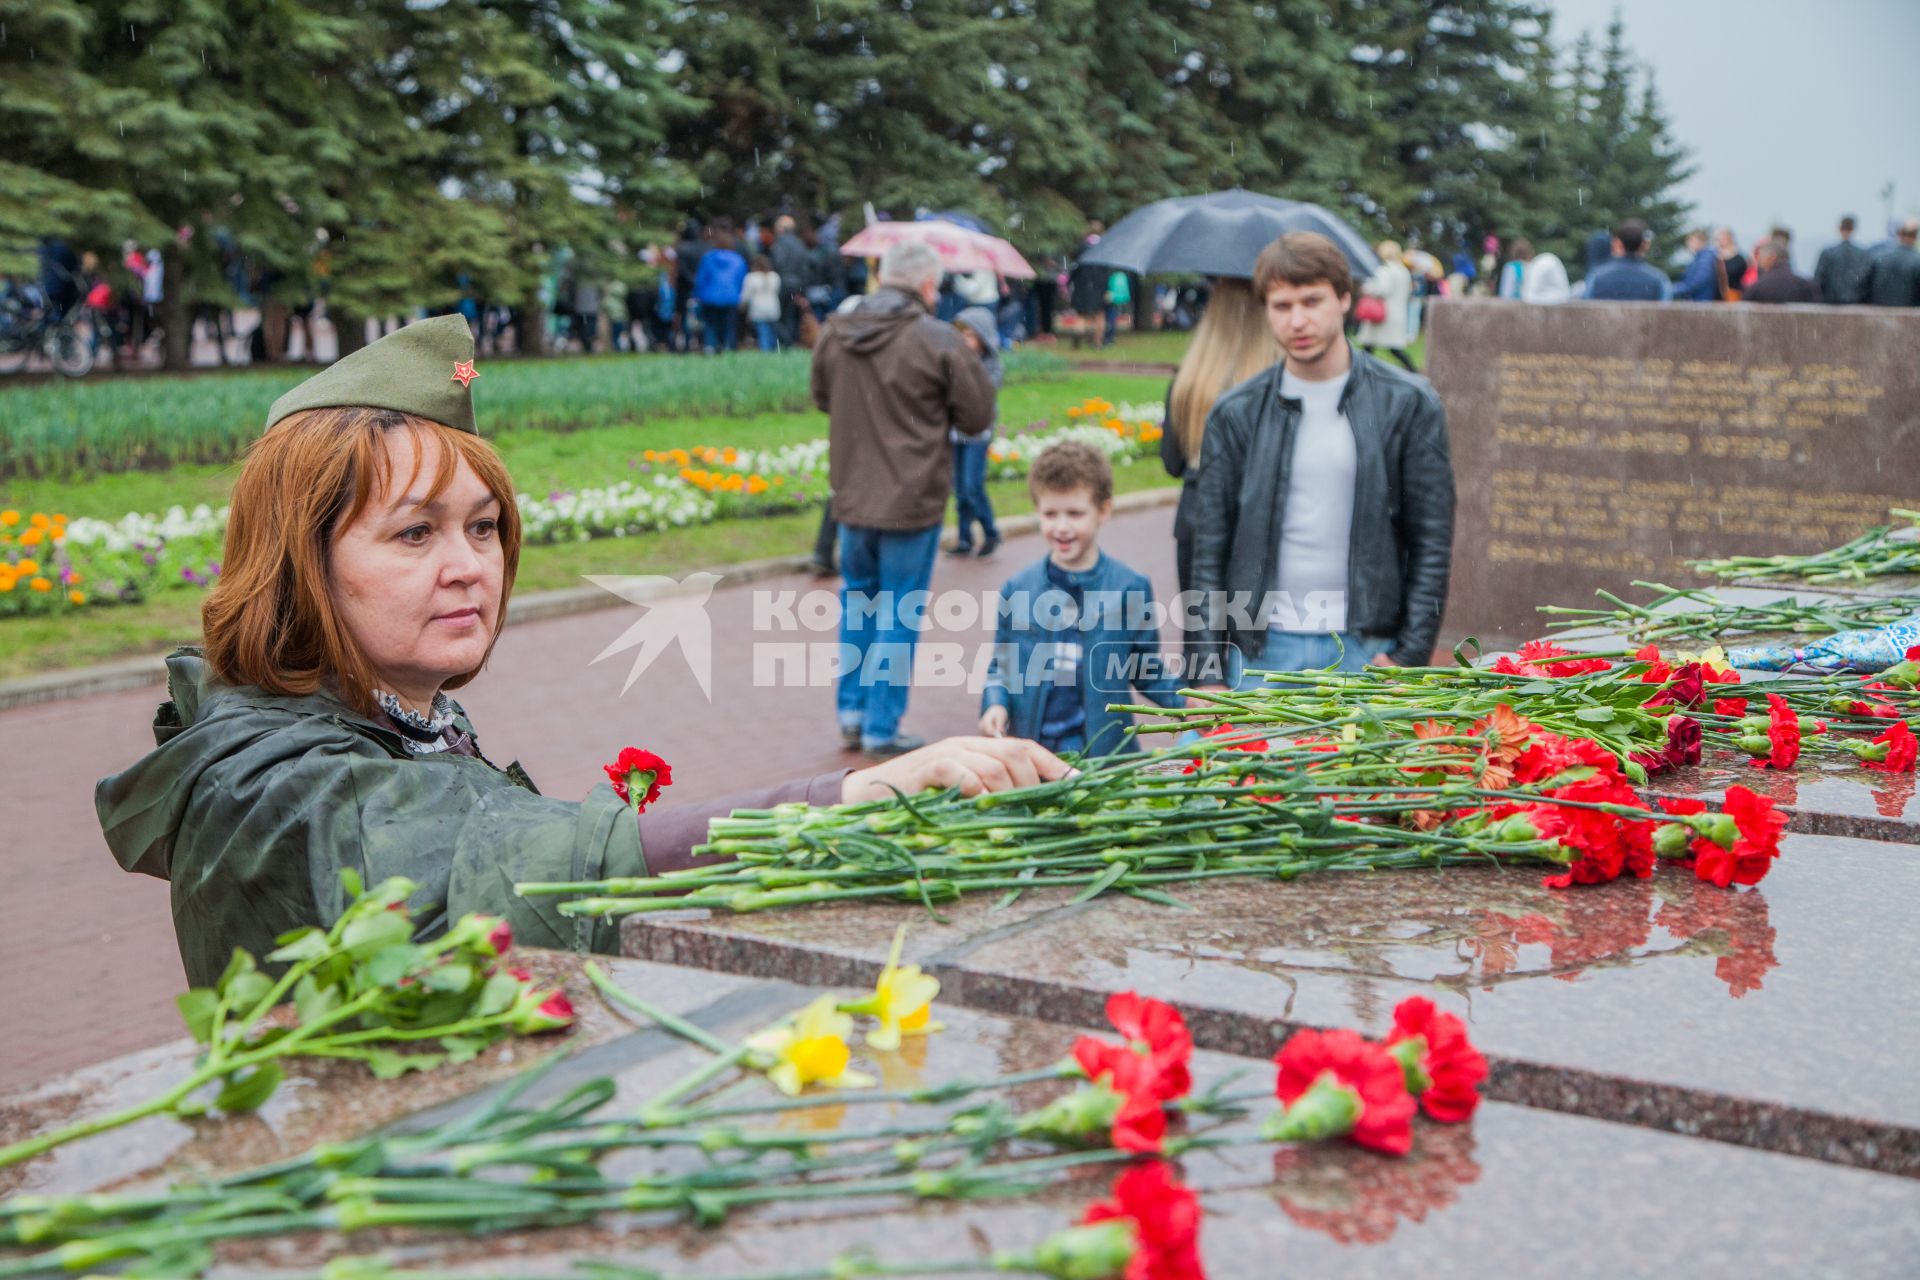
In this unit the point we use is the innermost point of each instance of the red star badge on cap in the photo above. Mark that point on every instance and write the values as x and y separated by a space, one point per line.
464 373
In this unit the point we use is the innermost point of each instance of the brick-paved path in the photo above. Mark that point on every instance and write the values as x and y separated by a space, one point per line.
87 951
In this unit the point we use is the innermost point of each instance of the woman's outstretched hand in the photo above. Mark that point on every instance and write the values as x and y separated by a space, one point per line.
972 764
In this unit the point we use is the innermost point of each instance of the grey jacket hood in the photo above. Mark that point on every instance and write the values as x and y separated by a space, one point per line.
987 329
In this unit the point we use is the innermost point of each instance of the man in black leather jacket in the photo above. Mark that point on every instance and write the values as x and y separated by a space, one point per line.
1289 501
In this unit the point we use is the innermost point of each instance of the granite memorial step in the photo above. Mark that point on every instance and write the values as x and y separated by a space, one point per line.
1517 1191
1776 1017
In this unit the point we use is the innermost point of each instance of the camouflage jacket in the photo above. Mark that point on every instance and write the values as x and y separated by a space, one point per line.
251 803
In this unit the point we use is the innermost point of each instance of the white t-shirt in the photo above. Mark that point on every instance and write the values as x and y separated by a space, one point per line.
1316 530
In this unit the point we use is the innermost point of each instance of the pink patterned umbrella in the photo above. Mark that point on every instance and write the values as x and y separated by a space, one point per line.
959 249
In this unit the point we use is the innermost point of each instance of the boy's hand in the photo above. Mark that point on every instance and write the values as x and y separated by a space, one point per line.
993 722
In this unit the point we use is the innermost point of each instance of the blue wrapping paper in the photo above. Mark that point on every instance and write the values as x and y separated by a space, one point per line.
1871 650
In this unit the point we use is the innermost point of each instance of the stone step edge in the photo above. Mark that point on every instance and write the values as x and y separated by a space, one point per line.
138 673
1754 1123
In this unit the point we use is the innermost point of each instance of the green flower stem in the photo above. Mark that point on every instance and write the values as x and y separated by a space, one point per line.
927 1096
653 1013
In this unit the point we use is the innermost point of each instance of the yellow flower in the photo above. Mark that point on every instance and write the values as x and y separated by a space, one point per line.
26 568
810 1049
31 538
756 484
1075 412
41 584
902 1000
9 516
77 597
6 579
1714 659
39 520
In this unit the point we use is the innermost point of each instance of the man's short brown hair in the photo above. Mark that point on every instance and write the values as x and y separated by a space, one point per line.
1070 465
1301 258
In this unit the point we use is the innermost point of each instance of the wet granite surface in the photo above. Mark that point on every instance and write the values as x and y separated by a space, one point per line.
1820 797
1517 1192
1778 1017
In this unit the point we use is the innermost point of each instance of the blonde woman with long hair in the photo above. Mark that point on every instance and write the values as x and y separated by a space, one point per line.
1231 344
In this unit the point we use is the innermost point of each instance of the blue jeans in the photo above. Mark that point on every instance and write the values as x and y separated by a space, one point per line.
880 568
718 326
1113 325
1312 651
970 493
767 334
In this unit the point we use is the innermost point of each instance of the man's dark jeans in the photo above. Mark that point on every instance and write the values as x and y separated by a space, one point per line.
879 624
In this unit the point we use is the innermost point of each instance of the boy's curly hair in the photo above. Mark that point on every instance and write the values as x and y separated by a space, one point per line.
1068 465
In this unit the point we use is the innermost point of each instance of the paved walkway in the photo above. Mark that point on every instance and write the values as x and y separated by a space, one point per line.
88 951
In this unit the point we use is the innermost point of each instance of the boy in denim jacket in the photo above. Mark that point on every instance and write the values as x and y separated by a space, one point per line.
1076 629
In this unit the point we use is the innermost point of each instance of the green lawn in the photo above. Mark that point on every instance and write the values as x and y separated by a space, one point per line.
36 644
542 460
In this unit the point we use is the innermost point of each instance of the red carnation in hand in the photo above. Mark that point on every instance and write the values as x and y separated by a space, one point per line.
1756 844
656 774
1336 1083
1902 750
1453 1068
1166 1223
1534 661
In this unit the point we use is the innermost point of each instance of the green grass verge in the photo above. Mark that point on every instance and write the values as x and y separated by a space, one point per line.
541 461
103 425
32 645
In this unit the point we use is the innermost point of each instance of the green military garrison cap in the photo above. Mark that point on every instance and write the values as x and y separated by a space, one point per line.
424 369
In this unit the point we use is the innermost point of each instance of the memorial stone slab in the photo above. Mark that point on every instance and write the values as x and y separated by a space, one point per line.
1771 1017
1517 1191
1596 443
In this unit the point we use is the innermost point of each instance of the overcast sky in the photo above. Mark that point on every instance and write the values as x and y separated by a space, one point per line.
1795 111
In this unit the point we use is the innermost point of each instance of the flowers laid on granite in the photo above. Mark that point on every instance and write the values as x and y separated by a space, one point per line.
1736 846
1164 1222
1336 1084
1894 751
1142 1075
1442 1067
638 777
361 990
810 1049
510 1165
1543 659
902 1000
1888 549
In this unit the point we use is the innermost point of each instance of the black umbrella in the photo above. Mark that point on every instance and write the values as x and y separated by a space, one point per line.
1218 235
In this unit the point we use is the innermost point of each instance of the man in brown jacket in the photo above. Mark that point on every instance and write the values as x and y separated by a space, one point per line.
893 381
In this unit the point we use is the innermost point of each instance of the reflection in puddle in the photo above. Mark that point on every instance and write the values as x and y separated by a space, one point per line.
1362 1199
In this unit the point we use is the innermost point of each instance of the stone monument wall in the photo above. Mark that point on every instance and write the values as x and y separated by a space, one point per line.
1597 443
